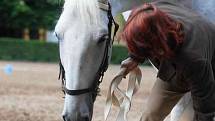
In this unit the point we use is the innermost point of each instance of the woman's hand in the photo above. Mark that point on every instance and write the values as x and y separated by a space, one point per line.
129 64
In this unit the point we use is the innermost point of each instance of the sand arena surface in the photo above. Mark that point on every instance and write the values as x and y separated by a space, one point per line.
33 93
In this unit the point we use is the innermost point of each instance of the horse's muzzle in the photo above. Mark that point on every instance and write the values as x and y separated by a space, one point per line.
76 118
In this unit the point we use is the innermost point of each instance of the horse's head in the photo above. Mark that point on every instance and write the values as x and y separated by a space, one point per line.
84 43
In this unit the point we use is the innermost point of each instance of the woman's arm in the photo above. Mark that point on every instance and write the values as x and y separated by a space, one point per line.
129 64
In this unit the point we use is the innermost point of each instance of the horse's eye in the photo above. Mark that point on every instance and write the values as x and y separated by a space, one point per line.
102 39
58 36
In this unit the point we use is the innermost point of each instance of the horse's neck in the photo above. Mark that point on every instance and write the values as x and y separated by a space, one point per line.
119 6
203 7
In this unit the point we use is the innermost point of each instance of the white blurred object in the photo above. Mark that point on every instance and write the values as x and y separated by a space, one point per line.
126 14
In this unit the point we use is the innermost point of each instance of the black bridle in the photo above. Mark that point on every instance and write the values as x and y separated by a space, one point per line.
94 89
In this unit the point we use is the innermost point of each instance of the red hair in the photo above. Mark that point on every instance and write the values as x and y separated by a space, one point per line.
150 32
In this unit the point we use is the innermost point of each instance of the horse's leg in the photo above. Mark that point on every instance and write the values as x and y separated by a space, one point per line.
184 104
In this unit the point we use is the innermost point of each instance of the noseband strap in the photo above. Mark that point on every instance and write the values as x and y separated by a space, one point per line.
104 65
76 92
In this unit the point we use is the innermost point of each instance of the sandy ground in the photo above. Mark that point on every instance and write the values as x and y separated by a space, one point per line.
33 93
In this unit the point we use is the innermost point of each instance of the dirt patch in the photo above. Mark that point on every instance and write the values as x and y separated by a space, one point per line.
33 93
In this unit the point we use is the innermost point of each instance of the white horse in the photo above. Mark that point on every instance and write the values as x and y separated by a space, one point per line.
85 48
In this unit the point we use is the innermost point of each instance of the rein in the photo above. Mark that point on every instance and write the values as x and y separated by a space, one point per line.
120 98
94 89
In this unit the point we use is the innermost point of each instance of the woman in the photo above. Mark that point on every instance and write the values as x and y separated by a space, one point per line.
181 45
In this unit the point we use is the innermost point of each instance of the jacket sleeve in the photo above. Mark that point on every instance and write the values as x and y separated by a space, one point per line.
137 59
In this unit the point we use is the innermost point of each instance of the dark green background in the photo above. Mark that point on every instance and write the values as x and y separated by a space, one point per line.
36 51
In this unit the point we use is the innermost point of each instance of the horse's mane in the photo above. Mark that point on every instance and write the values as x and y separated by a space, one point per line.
87 11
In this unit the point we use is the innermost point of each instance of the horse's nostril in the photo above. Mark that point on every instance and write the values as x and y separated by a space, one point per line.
86 119
76 118
64 117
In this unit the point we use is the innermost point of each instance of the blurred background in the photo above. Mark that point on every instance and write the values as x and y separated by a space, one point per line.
29 85
26 31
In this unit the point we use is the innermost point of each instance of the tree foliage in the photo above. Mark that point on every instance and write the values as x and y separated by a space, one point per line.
29 13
